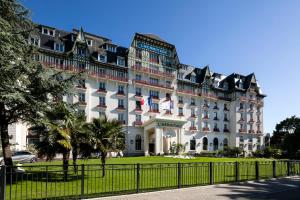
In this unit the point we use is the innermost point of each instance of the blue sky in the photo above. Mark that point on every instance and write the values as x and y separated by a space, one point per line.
261 36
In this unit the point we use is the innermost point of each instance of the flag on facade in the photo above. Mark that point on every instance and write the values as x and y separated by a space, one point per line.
142 102
149 101
167 105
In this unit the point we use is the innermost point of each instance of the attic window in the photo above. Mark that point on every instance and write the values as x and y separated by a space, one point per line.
241 85
59 47
101 58
180 75
121 61
193 78
90 42
35 41
111 48
47 31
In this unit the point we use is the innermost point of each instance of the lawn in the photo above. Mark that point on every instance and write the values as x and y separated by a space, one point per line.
45 179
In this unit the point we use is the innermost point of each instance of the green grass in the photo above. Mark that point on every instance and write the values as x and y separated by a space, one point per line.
156 173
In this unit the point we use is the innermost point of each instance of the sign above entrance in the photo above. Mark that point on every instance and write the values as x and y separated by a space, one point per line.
169 124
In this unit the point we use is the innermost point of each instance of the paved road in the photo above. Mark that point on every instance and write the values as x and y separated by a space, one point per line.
276 189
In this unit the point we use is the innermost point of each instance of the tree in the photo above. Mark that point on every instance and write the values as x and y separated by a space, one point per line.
64 130
26 88
286 136
107 136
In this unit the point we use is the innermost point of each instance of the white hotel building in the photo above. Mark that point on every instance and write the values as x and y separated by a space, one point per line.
210 110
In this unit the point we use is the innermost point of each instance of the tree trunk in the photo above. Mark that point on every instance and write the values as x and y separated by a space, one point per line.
5 144
75 155
66 156
103 161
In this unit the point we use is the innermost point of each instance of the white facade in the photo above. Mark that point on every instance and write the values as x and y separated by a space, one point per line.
197 120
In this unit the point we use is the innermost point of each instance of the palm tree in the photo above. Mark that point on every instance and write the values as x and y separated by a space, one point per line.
107 136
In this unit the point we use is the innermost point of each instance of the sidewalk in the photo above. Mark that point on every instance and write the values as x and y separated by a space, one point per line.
284 188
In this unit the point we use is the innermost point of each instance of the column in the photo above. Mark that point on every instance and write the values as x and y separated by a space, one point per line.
157 140
146 143
161 142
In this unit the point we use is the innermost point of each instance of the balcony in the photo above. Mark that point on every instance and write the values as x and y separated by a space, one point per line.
251 131
153 85
120 108
101 91
251 110
180 103
81 87
102 106
252 100
258 132
216 130
226 120
241 120
226 109
241 109
251 121
242 131
168 112
120 94
260 103
193 104
226 130
205 106
180 115
214 97
216 108
242 99
152 71
82 103
193 128
188 92
138 96
216 119
138 123
138 110
155 99
206 117
153 111
205 129
193 116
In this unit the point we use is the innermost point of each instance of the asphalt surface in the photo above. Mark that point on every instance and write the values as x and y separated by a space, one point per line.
275 189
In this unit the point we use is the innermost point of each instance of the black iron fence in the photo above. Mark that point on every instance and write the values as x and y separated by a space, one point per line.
85 181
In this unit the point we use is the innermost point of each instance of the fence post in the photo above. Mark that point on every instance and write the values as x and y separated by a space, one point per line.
3 183
82 181
257 170
179 175
236 171
288 168
211 173
274 168
138 167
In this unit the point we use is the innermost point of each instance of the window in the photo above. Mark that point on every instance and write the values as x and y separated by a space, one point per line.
154 94
225 142
205 143
205 124
102 101
225 117
47 31
121 61
81 52
241 106
102 86
81 97
121 118
138 77
193 78
215 116
251 116
120 89
101 114
215 144
138 91
241 126
138 118
81 83
120 103
111 48
155 107
138 64
206 114
81 66
206 103
193 101
193 144
180 75
102 58
216 105
138 143
193 112
251 106
138 53
180 111
168 84
241 117
153 57
35 41
90 42
59 47
180 99
154 81
215 126
192 123
250 147
241 139
225 107
225 127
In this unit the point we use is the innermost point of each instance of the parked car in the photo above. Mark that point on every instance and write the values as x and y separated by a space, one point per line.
21 157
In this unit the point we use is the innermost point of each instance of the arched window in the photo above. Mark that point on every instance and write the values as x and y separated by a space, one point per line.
216 144
138 142
193 144
205 142
225 142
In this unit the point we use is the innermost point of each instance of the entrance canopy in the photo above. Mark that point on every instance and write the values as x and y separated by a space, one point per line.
164 122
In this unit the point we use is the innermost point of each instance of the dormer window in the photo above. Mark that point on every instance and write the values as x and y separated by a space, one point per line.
89 42
193 78
241 85
102 58
59 47
47 31
121 61
180 75
111 48
225 86
81 52
34 41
